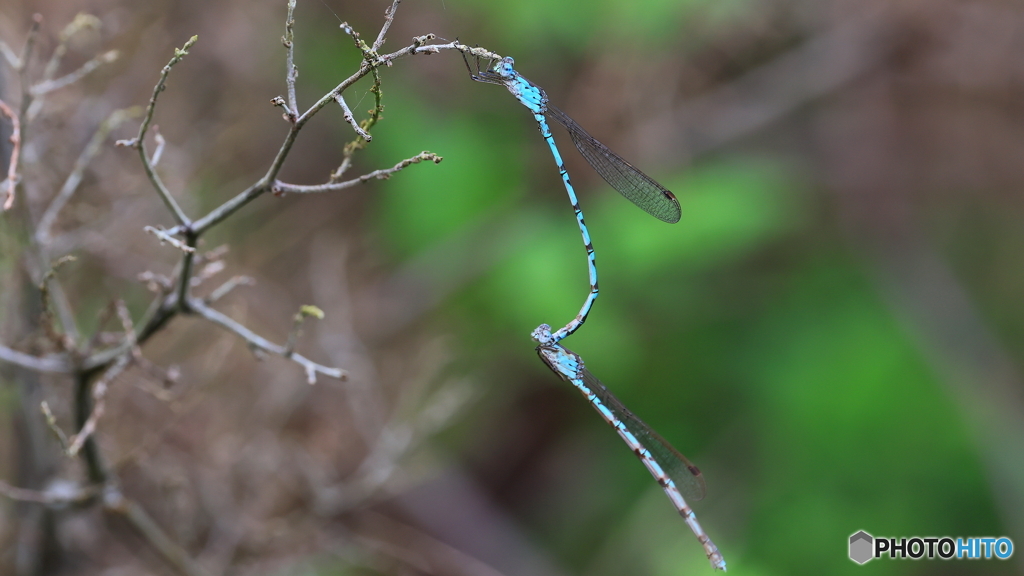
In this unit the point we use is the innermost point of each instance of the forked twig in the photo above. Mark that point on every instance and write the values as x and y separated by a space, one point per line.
382 174
74 178
139 142
260 343
347 112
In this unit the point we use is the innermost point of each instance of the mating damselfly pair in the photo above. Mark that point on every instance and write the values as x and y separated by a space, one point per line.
676 475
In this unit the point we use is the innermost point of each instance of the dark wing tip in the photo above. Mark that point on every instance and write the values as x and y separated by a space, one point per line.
673 216
702 487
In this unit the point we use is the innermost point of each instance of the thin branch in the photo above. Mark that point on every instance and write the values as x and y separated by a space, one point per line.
157 283
383 174
129 330
58 494
312 368
51 423
369 54
160 143
420 46
12 167
53 364
10 55
165 237
30 41
75 177
70 78
22 494
161 310
293 73
209 270
139 142
175 555
99 390
163 378
289 114
389 17
351 119
23 62
81 21
187 264
228 286
264 184
228 208
48 284
99 393
366 125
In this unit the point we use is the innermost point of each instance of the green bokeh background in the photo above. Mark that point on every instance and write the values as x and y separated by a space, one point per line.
756 335
833 332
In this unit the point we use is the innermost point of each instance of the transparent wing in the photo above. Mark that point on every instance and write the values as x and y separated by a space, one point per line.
687 477
638 187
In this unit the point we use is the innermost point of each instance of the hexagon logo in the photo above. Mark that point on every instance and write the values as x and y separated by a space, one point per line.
861 545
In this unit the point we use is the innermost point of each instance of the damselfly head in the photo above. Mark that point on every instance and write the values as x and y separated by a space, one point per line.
504 67
541 334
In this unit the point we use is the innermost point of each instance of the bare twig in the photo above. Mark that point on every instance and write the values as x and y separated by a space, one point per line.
228 286
389 17
185 274
293 73
228 208
165 377
366 125
104 316
22 494
351 119
139 142
51 423
368 52
383 174
96 372
155 282
30 42
54 363
99 393
165 237
82 21
160 143
23 61
176 556
63 341
129 330
312 368
57 494
12 166
99 390
418 46
75 177
209 270
289 114
10 55
72 77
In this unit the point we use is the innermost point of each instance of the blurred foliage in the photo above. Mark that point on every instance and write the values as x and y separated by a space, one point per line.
747 334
